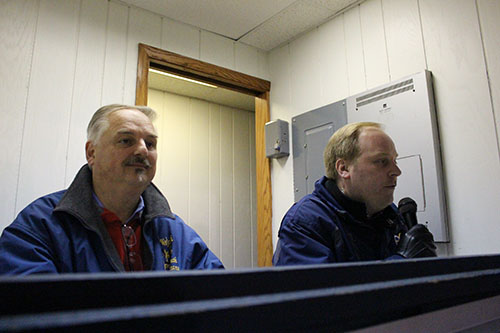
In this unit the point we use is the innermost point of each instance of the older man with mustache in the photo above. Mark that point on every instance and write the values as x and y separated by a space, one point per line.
350 215
111 218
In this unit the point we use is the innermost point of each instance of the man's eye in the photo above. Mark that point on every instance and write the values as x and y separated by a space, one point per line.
125 141
151 145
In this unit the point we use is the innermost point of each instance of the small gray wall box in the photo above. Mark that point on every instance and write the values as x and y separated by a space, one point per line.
277 139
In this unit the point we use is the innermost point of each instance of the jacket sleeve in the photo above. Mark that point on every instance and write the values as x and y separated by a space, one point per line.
24 250
203 258
302 241
189 249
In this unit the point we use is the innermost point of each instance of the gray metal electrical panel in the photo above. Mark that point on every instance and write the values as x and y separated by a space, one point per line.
406 110
311 131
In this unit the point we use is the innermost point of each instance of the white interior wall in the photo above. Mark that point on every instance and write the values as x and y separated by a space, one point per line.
380 40
206 169
60 61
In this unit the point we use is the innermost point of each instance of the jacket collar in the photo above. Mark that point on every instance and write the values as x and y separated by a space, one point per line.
328 190
357 209
79 202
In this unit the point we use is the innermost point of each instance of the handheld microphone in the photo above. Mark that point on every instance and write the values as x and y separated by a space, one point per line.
408 209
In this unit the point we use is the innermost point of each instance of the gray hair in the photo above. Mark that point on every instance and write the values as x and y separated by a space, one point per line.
100 122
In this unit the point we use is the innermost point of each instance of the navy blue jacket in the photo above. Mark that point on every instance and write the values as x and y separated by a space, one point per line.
63 232
318 230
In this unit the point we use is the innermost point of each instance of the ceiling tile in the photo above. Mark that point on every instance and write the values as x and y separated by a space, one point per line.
291 22
228 18
264 24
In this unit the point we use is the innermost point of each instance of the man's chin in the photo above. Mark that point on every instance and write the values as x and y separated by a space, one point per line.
139 179
143 179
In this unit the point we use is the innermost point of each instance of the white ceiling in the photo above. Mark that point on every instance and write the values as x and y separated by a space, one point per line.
264 24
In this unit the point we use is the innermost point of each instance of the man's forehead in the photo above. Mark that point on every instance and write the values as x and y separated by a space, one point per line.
375 141
127 131
370 130
130 122
127 115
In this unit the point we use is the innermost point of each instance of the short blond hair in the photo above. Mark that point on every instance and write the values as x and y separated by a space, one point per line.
343 144
100 122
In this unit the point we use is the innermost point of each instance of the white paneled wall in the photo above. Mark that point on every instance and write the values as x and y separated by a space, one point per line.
18 23
383 40
60 61
206 160
46 125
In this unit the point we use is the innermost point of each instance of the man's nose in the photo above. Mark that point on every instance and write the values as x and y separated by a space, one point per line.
141 148
396 171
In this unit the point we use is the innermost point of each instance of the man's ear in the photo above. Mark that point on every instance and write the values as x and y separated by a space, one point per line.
342 169
90 152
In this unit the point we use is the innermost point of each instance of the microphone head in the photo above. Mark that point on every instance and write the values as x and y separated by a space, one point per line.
407 205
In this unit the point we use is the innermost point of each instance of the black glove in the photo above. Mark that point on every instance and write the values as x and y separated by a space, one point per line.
418 242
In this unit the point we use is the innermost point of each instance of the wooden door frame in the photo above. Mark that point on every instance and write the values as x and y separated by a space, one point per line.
233 80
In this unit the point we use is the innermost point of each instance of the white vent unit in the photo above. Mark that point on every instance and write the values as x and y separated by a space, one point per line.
384 93
406 110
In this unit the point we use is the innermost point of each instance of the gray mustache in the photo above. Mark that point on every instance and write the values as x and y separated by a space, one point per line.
138 160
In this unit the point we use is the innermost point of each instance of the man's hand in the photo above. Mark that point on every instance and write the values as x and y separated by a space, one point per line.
418 242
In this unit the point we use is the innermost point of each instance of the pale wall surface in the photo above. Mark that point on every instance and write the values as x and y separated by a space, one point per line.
60 61
382 40
206 169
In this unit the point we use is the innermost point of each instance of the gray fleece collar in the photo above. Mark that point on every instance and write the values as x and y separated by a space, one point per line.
78 199
79 202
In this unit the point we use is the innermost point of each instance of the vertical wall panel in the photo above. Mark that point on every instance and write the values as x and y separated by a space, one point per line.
45 136
374 44
489 13
88 76
354 52
334 81
199 168
143 27
217 50
305 72
206 169
214 216
279 64
455 57
156 101
242 190
405 47
17 34
263 65
281 108
246 59
227 207
175 154
180 38
116 54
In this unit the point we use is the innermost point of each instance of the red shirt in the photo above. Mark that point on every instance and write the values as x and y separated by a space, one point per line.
127 239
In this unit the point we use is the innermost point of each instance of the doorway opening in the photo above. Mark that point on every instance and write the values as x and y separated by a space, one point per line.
154 58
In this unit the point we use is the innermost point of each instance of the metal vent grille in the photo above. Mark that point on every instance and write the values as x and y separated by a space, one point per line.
395 89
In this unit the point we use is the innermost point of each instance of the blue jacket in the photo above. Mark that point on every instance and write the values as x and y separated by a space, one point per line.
318 230
63 232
